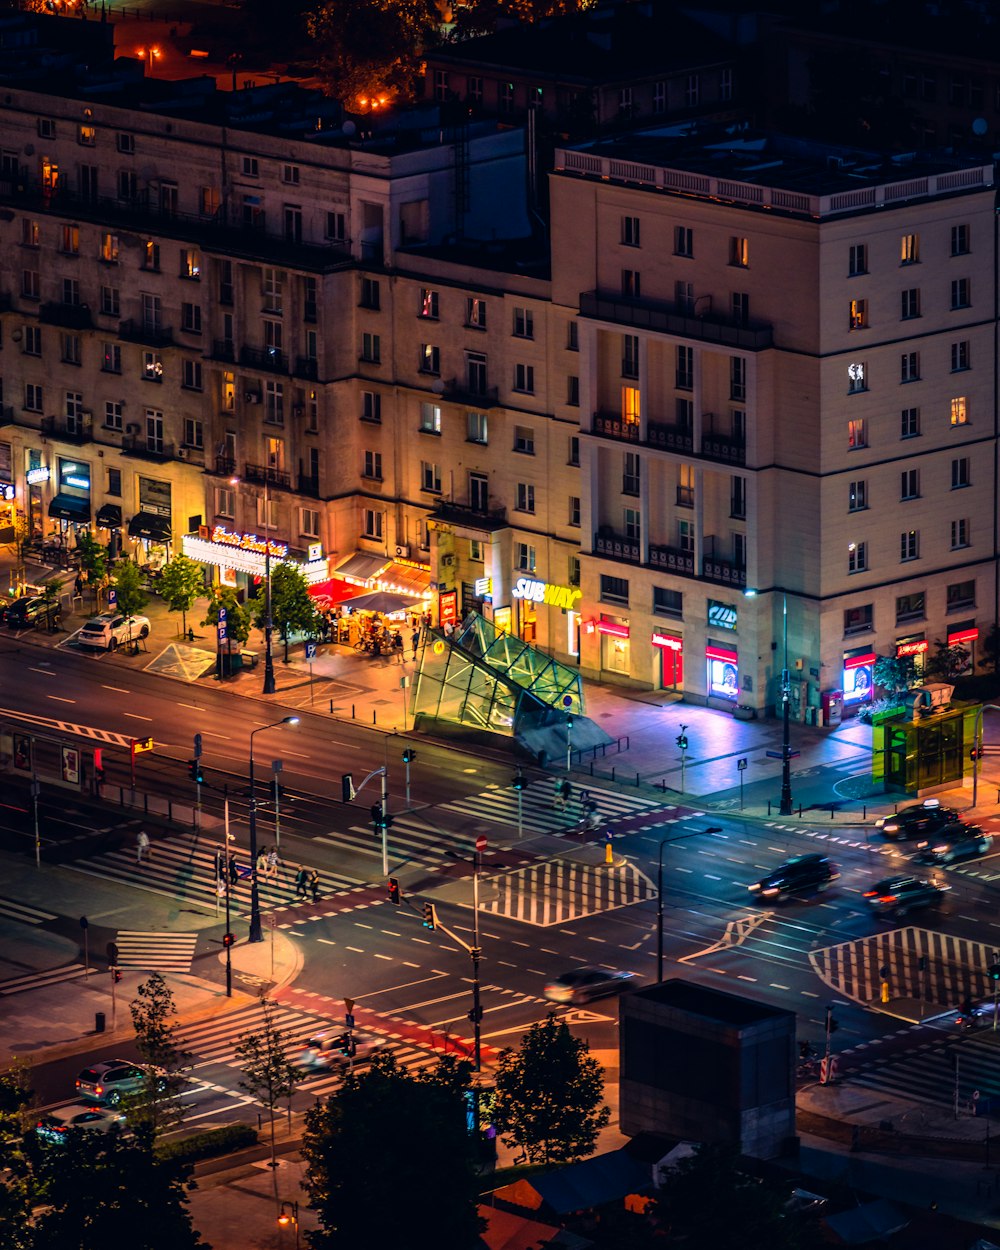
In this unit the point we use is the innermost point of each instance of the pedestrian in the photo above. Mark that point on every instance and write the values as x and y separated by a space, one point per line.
78 585
261 863
558 798
234 872
449 629
397 645
566 790
314 884
272 864
142 850
301 881
414 639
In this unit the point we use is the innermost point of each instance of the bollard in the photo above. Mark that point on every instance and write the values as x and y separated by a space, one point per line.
591 768
831 811
864 812
800 811
769 807
663 784
637 779
374 717
612 774
331 707
353 717
99 1021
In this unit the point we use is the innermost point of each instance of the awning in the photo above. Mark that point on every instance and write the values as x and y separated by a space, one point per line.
405 579
362 566
109 516
329 593
149 525
383 601
70 508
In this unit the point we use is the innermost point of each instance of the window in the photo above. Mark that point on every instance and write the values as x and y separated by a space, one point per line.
614 589
474 86
372 524
684 298
683 241
194 433
336 229
909 423
725 84
430 358
684 369
573 391
428 304
71 291
631 405
369 293
961 473
857 557
524 323
109 248
859 620
191 318
309 523
430 418
525 497
738 498
371 349
659 97
113 413
476 427
128 184
440 84
250 167
739 252
192 378
479 492
475 313
125 142
959 411
858 315
74 407
152 367
630 355
151 256
574 510
910 303
30 233
114 482
526 561
111 358
960 241
630 231
30 284
686 536
631 284
625 102
632 522
857 433
960 293
34 397
737 378
209 201
373 465
910 607
524 440
740 305
152 313
909 545
857 377
857 496
960 359
69 242
32 340
524 379
692 90
909 249
960 533
574 450
430 476
857 260
909 484
631 480
668 603
272 290
961 595
506 97
475 373
909 367
70 349
46 128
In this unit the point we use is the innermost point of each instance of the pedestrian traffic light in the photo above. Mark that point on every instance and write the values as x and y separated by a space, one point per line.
116 975
475 1015
430 916
995 972
520 782
682 741
409 755
228 939
393 891
195 771
347 787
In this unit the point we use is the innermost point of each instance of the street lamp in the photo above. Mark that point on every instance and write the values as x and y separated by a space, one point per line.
269 686
785 802
255 929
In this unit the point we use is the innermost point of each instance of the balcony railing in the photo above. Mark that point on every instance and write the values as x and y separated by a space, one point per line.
485 519
264 473
309 485
728 450
69 316
69 429
147 448
270 359
612 426
457 391
224 467
723 571
148 335
607 543
670 437
224 349
678 320
673 559
307 367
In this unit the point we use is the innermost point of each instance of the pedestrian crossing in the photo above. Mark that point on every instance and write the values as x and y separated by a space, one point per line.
918 964
411 841
928 1074
9 910
156 952
556 891
540 813
185 867
40 980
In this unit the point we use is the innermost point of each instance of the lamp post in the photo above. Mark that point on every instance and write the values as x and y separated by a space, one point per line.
785 801
255 929
269 686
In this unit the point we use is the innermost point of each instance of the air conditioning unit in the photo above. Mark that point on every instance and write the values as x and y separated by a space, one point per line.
402 552
183 453
448 561
298 410
252 397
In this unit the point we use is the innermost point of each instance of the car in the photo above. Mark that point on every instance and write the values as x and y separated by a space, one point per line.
31 611
111 629
805 874
114 1079
956 843
583 984
919 822
54 1126
334 1050
895 896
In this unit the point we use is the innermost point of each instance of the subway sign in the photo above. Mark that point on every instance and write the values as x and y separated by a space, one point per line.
544 592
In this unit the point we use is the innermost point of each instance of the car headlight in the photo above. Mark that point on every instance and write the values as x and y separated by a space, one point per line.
771 889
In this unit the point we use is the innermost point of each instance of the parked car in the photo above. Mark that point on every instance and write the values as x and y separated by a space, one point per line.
895 896
333 1051
806 874
956 843
919 822
54 1126
110 630
31 611
114 1079
583 984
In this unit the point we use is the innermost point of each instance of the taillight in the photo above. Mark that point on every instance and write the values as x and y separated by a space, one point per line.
889 898
99 1090
870 894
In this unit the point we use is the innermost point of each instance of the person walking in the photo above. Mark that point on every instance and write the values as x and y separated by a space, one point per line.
272 864
262 863
414 640
142 851
301 881
234 872
314 884
78 585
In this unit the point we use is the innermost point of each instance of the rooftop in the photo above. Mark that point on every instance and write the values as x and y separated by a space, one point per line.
716 1005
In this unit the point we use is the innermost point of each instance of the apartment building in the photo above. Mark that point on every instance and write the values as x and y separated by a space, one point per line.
787 388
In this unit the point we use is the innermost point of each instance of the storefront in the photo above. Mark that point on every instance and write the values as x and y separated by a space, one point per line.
615 637
35 479
723 665
109 517
670 650
240 558
151 525
529 594
914 647
965 634
857 679
70 505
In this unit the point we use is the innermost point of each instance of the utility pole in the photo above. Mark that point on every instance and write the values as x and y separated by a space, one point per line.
269 685
36 790
831 1027
276 767
682 742
225 878
519 783
785 804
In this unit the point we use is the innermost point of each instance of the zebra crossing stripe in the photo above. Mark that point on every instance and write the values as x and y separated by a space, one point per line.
421 843
23 913
500 807
37 980
156 952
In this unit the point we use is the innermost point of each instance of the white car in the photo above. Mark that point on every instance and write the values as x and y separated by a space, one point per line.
110 630
331 1052
53 1126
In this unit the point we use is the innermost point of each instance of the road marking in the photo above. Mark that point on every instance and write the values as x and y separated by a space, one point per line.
776 986
136 716
407 964
58 699
122 690
50 673
357 950
389 933
809 994
325 941
358 925
207 733
378 956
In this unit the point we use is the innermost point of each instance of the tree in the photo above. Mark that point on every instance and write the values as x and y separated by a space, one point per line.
238 617
369 48
392 1145
181 582
268 1075
292 606
16 1181
548 1094
990 654
158 1104
128 584
21 534
93 557
947 662
51 591
895 674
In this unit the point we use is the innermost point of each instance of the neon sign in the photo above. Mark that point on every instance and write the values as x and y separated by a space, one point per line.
544 592
249 542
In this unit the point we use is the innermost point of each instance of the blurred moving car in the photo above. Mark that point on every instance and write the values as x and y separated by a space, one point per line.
115 1079
956 843
805 874
54 1126
920 821
583 984
31 611
110 630
325 1052
895 896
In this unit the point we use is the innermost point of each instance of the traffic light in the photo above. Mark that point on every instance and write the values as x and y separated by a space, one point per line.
995 972
409 755
228 939
682 741
392 890
976 753
475 1015
376 815
430 916
347 787
195 771
116 975
520 782
831 1023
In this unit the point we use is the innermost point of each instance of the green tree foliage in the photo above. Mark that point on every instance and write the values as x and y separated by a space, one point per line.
238 616
895 674
21 533
128 583
369 48
707 1201
947 663
482 16
549 1094
990 650
16 1181
181 583
293 609
93 557
153 1012
388 1146
51 590
268 1073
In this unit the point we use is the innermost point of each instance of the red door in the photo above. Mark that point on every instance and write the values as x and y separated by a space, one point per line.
672 667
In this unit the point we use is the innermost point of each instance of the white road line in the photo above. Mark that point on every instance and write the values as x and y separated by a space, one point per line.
136 716
122 690
356 949
50 672
58 700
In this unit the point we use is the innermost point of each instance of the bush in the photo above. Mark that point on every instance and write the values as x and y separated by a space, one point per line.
215 1141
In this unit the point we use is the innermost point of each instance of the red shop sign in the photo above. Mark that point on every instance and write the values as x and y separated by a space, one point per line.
719 653
964 635
911 648
615 631
668 640
861 661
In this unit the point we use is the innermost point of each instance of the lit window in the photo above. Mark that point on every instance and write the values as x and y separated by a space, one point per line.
959 411
909 249
859 314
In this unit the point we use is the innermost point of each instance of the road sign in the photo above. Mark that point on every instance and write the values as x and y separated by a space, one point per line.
221 631
112 597
84 922
310 650
222 616
741 764
481 843
142 744
277 766
348 1005
349 1021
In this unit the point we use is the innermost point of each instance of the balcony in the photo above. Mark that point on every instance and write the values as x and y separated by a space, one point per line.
670 437
7 415
611 426
672 559
145 333
456 391
616 546
307 367
268 359
725 572
669 318
147 448
724 449
482 520
69 316
70 429
224 467
309 485
224 349
262 473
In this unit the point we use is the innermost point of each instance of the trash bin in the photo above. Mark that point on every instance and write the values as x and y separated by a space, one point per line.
99 1022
